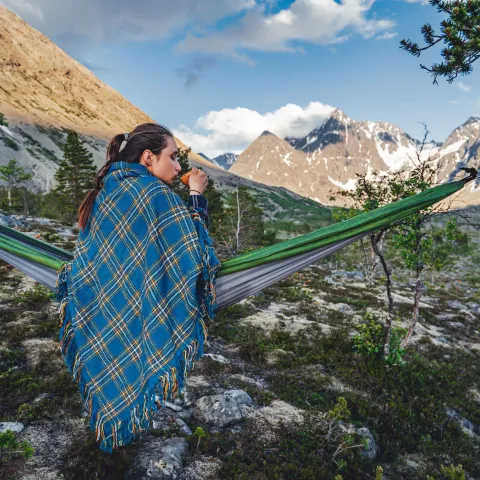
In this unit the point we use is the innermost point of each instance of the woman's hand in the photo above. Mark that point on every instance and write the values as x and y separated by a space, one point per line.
198 180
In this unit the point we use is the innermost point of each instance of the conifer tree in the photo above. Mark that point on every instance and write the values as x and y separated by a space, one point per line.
3 120
460 33
14 176
75 176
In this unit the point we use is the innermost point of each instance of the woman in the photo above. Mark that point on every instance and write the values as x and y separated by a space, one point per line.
135 298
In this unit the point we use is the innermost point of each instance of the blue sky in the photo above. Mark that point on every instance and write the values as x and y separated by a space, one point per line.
219 72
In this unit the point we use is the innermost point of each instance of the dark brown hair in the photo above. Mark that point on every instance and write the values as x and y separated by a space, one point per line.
147 136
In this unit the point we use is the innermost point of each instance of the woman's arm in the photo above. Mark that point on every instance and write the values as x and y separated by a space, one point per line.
198 204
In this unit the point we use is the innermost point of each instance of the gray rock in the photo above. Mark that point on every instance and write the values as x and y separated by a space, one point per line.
184 428
473 307
159 459
456 305
217 410
466 425
456 324
178 401
11 221
369 453
446 316
356 275
185 415
344 308
240 396
13 426
172 406
187 399
41 397
217 358
202 468
170 461
222 410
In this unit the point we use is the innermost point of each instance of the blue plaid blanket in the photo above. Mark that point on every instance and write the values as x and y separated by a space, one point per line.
134 301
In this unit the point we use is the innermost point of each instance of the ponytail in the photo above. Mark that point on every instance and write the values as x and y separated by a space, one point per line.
147 136
112 154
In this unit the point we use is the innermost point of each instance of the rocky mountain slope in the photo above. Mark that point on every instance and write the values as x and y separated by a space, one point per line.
225 161
41 84
340 147
273 161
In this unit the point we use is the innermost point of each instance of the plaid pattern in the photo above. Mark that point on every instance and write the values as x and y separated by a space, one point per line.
134 300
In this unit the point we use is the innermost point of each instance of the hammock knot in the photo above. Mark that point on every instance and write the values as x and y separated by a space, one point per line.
473 173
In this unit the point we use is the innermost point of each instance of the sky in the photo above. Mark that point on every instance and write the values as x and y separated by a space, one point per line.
220 72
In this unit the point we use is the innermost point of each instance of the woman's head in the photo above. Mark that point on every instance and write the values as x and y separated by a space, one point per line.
150 145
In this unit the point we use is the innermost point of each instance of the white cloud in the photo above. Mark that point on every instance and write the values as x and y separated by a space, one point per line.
421 2
314 21
233 129
464 87
386 36
121 20
454 102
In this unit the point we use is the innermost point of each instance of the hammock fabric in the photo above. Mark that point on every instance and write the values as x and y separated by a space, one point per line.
249 273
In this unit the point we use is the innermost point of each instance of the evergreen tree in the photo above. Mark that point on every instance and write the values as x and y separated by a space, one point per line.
75 176
15 176
460 32
3 120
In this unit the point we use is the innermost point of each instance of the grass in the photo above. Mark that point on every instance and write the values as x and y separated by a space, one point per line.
403 406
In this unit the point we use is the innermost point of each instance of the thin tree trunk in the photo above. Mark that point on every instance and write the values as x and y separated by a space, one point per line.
375 241
237 233
416 306
25 204
368 277
9 189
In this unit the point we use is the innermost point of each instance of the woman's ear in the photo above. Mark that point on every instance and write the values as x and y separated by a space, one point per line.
147 158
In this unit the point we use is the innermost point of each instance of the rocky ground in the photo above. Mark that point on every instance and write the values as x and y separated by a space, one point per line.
281 392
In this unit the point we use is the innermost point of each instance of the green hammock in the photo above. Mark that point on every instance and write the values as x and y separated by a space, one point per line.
246 274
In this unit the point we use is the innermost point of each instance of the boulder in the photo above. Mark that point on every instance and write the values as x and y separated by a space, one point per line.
466 425
369 452
159 459
221 410
13 426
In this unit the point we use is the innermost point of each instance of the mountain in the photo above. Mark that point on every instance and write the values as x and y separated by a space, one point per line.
41 85
331 155
226 160
462 149
273 161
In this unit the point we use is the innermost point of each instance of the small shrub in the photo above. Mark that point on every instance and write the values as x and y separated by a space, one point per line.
36 295
369 338
26 412
340 410
451 472
10 447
